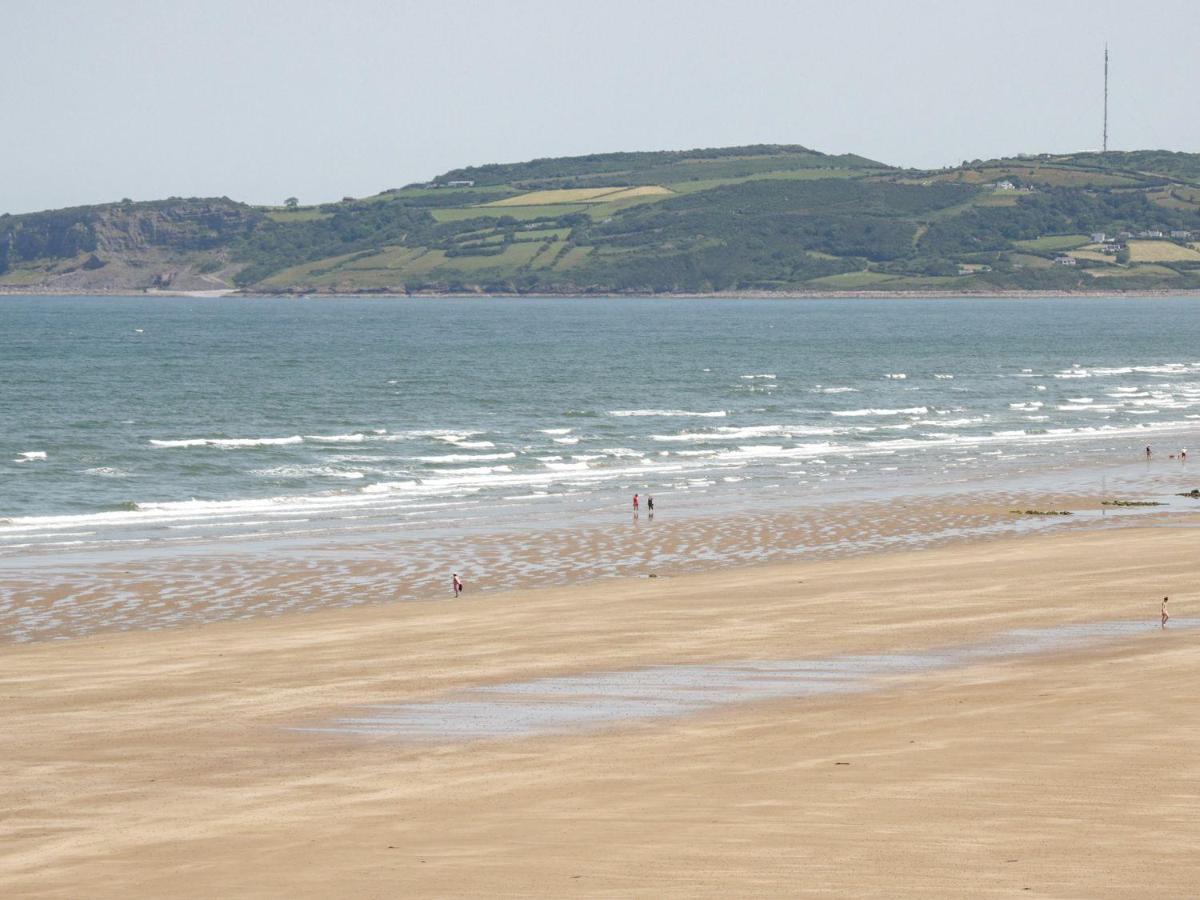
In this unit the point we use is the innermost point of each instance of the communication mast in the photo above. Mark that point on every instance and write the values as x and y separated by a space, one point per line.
1105 145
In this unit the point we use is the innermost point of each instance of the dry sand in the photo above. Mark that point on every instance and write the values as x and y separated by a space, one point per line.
160 763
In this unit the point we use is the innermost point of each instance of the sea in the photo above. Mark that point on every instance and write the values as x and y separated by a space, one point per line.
172 421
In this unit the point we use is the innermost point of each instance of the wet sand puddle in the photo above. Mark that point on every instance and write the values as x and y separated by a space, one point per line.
575 702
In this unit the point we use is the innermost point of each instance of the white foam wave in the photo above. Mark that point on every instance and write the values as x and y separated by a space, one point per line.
355 438
906 411
621 452
764 377
228 443
462 457
307 472
896 376
833 390
556 430
669 413
954 423
30 456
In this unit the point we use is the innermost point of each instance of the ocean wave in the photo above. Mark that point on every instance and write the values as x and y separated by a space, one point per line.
669 413
954 423
557 430
833 390
461 457
228 443
766 376
306 472
896 376
30 456
752 452
353 438
906 411
734 433
106 472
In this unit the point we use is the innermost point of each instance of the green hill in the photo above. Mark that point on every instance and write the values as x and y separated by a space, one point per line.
763 218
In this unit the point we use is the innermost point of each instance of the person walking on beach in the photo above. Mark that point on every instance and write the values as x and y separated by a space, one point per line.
1165 614
635 505
1147 451
650 505
456 584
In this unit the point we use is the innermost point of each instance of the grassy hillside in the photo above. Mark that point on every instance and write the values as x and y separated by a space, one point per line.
763 218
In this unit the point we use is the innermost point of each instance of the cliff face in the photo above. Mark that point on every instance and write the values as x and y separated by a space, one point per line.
180 244
174 226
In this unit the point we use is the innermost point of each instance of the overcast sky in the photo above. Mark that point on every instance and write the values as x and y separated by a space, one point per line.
263 100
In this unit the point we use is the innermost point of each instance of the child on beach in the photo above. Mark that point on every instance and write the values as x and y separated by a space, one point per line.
456 584
1165 615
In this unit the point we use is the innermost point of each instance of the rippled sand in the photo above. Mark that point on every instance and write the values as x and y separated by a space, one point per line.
178 762
47 597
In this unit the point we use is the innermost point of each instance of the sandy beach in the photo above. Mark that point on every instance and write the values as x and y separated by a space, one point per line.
174 762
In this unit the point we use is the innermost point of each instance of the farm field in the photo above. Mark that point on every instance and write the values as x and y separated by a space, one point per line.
524 213
1161 251
1053 242
554 197
761 218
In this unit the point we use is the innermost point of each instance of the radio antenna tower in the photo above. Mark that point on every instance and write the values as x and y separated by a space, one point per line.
1105 145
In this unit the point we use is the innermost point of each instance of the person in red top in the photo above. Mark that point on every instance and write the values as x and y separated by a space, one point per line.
635 504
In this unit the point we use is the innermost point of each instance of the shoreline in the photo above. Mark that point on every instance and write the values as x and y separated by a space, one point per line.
716 295
51 592
169 762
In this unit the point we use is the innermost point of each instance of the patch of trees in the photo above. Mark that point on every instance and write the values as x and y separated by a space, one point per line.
60 234
834 216
637 165
351 227
1052 211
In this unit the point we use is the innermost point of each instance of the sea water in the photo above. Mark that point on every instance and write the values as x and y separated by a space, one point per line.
158 418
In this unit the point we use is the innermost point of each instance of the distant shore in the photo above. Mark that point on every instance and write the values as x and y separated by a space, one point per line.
680 295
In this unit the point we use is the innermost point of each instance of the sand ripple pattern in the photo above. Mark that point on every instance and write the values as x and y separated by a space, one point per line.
57 600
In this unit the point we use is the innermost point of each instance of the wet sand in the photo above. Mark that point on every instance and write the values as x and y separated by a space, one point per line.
44 596
175 762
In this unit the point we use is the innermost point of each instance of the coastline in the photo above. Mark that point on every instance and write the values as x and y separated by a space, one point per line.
559 295
168 762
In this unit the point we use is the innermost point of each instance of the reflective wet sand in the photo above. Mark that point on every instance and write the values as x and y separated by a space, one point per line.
567 703
44 597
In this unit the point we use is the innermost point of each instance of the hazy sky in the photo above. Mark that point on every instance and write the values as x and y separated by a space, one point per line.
262 100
